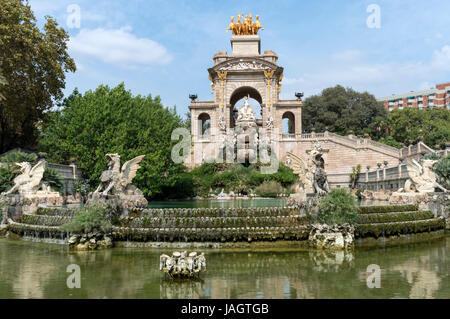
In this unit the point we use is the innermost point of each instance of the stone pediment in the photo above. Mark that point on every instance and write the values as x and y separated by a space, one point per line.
244 64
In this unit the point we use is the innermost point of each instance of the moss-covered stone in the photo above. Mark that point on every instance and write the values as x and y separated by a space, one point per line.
386 209
394 217
396 228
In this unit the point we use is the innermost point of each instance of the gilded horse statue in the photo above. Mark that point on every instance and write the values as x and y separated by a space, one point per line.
246 27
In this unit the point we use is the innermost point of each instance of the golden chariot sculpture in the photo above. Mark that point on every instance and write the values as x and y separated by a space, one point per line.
246 27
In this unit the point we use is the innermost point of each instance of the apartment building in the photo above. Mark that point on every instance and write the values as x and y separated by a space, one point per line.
435 97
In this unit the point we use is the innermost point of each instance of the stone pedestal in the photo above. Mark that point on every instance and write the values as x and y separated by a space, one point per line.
28 203
246 45
121 203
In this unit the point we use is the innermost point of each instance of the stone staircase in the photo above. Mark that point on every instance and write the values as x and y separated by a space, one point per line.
222 225
213 225
180 225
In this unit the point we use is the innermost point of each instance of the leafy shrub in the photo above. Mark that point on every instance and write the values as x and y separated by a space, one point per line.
213 177
391 142
269 189
6 178
87 219
82 187
442 170
432 156
338 207
53 179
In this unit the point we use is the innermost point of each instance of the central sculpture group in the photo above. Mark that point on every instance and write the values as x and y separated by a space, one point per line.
246 27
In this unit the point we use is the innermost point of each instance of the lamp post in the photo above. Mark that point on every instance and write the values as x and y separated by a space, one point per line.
193 97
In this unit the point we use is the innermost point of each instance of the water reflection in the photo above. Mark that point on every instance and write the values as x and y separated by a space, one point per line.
412 271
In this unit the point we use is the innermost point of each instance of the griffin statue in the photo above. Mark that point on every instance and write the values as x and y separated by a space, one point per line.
116 181
29 179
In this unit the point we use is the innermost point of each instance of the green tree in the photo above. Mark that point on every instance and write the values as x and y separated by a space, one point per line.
114 121
354 175
34 63
342 110
412 124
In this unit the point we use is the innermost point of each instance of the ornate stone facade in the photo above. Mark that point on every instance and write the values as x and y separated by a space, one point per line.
247 72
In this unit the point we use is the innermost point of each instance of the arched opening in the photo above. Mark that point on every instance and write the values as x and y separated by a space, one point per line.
204 125
288 125
237 100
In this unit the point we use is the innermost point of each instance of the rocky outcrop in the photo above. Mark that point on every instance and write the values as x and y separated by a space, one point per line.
323 236
90 241
381 195
119 204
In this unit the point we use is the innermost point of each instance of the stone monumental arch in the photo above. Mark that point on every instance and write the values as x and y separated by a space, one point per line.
249 73
245 73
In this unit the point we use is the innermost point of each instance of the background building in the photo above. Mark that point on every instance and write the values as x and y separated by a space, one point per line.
437 97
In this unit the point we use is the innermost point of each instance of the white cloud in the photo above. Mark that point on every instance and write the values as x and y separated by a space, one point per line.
441 58
349 69
119 47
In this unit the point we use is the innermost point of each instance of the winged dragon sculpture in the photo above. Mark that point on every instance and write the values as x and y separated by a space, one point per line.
29 179
117 181
311 173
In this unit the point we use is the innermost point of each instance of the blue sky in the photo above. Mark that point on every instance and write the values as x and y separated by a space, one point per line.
165 47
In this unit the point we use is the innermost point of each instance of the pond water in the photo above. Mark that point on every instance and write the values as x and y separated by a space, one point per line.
35 270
